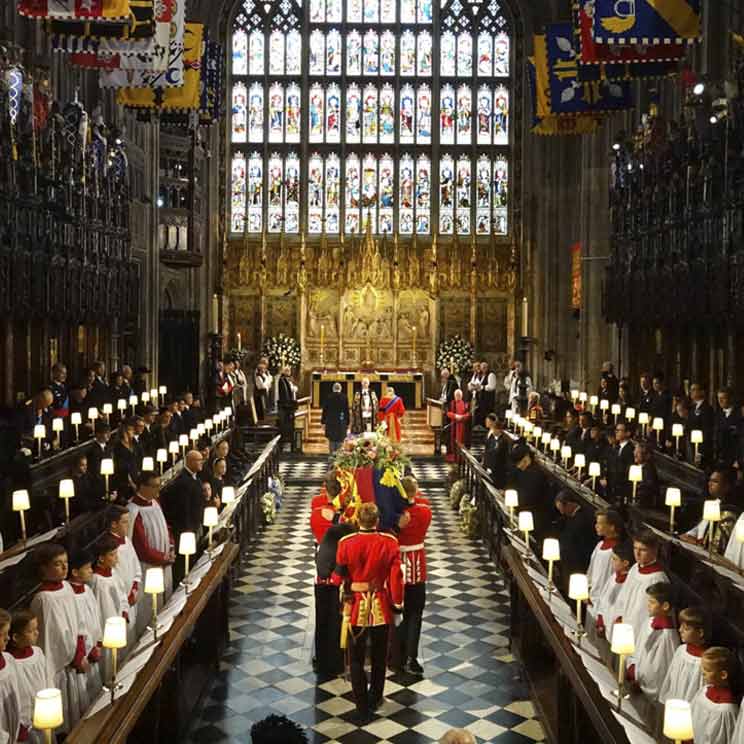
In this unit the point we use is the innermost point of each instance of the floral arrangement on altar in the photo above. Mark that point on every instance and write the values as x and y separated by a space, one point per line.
456 352
282 350
372 449
268 507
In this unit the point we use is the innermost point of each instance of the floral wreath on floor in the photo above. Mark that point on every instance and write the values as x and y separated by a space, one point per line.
456 352
371 449
282 350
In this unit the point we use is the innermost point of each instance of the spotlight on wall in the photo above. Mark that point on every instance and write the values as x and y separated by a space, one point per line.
160 201
616 146
699 89
713 119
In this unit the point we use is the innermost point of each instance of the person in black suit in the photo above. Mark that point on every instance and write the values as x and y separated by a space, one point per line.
572 429
496 452
37 411
703 417
147 437
161 434
647 396
662 403
188 413
183 502
335 417
448 386
99 450
119 390
287 404
581 437
126 465
727 424
576 535
619 460
648 493
609 385
88 496
98 392
532 488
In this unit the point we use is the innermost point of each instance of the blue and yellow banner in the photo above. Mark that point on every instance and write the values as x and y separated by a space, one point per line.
568 95
653 22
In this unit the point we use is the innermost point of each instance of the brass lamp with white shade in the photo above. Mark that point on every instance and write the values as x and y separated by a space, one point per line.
228 494
114 638
67 492
511 500
551 553
93 416
678 721
578 589
209 425
673 500
616 409
565 455
579 463
583 397
148 465
107 410
643 420
593 402
173 449
526 525
678 432
58 426
163 390
574 395
145 396
21 504
186 548
630 413
76 419
153 395
201 429
546 439
595 470
555 447
194 437
635 476
211 519
133 400
154 585
107 470
711 515
40 433
48 712
162 457
537 434
183 442
604 406
658 426
121 406
623 644
696 437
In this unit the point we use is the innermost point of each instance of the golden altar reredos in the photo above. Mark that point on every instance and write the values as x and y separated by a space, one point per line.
371 302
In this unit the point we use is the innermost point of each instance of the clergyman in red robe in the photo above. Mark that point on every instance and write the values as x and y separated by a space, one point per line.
458 414
391 410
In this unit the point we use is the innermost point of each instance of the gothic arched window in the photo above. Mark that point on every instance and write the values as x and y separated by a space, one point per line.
333 117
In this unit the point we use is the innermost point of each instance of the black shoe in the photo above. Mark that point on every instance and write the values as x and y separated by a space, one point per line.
413 667
360 717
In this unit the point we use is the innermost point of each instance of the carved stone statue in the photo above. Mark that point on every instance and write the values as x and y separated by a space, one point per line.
423 323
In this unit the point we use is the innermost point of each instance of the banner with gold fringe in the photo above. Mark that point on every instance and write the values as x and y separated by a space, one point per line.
101 10
81 36
651 22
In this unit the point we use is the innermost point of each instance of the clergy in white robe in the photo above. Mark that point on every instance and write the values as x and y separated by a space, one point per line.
684 678
735 548
129 568
59 630
739 730
31 667
633 602
714 708
606 611
657 642
152 540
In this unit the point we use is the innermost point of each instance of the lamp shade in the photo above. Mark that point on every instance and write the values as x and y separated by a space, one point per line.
526 523
209 424
21 500
201 429
623 639
739 531
92 413
67 488
211 516
193 434
604 404
574 394
673 496
555 444
145 396
546 437
228 494
511 497
48 709
635 473
616 409
227 411
537 431
153 393
578 587
39 431
658 424
696 436
643 418
173 447
630 413
107 409
76 418
187 543
551 549
712 510
154 581
58 424
121 404
161 455
677 719
595 469
583 397
147 465
133 400
565 452
528 426
183 440
115 632
678 430
162 389
579 460
594 400
107 466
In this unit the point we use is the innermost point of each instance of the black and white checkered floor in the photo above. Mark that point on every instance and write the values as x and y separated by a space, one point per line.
471 680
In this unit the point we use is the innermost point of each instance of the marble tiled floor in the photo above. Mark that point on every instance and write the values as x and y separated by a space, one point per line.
470 681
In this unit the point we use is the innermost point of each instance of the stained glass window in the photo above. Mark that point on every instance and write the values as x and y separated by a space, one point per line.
340 75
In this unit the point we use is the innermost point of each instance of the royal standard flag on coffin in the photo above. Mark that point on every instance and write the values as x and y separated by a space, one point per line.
568 95
652 22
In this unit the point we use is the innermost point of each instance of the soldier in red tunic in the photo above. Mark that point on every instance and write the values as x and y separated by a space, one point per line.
414 523
368 563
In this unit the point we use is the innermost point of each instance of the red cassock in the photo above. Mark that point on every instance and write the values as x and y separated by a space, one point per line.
371 559
459 430
411 539
391 410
